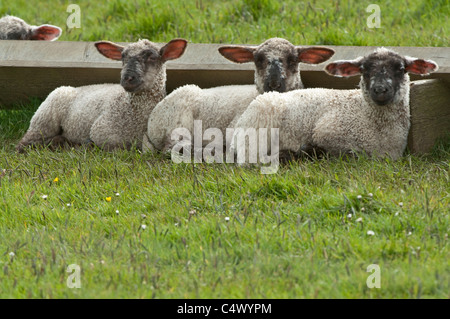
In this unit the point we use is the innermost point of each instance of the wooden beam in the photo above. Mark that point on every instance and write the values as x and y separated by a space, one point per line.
430 114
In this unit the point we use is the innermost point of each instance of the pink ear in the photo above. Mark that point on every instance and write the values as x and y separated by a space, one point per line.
419 66
344 68
238 54
110 50
45 32
314 55
173 50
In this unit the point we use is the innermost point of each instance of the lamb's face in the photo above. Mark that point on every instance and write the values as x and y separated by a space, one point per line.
276 62
383 74
141 64
143 61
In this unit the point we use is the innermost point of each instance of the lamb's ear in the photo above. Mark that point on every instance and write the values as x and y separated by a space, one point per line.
45 32
238 54
344 68
173 50
419 66
110 50
314 55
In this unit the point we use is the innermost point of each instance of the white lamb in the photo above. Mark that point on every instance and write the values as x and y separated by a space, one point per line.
109 115
277 69
374 119
14 28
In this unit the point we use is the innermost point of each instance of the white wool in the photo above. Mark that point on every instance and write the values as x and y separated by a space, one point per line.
105 114
338 121
218 107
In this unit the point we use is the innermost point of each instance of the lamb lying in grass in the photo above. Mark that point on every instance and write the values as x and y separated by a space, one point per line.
14 28
109 115
374 119
277 69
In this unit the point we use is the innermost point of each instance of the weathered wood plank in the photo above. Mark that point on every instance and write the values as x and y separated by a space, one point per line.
430 114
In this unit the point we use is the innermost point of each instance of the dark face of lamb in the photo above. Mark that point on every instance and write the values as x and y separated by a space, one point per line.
276 62
276 66
143 61
384 73
141 64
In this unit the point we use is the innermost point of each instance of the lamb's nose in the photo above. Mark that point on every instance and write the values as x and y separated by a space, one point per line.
275 85
380 89
130 78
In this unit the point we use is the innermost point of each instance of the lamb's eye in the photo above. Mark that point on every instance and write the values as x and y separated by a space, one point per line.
260 59
151 56
292 62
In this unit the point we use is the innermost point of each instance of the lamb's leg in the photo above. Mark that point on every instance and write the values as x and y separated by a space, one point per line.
45 124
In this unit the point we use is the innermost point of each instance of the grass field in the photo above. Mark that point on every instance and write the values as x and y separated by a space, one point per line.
139 225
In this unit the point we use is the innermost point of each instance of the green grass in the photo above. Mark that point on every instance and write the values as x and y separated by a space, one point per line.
403 23
289 235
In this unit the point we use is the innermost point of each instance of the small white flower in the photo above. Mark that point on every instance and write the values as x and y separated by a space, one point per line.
143 216
370 233
176 224
117 194
117 212
68 205
44 196
227 219
102 262
359 197
349 216
409 233
12 254
359 219
370 195
400 204
396 214
143 226
363 209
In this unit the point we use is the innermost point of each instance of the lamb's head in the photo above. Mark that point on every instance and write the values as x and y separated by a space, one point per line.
143 61
14 28
276 62
384 73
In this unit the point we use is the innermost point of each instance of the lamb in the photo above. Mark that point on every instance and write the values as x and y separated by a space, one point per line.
109 115
14 28
374 119
276 62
